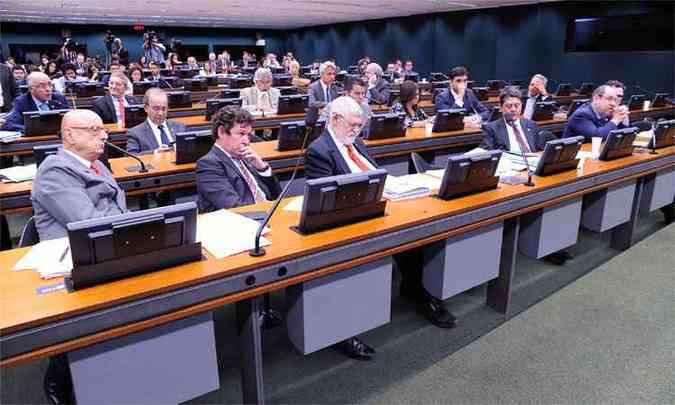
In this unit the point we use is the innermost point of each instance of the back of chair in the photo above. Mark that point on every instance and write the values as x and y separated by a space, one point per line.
420 164
29 234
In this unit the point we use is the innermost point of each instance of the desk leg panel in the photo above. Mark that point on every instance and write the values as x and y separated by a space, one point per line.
605 209
499 289
622 235
250 343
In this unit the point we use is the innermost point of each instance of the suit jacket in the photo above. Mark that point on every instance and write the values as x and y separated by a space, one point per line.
10 90
105 108
140 139
584 122
249 97
220 184
25 103
65 191
495 135
380 93
445 101
323 158
317 97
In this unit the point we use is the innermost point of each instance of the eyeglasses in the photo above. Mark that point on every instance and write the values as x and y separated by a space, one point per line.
48 85
93 129
612 98
159 108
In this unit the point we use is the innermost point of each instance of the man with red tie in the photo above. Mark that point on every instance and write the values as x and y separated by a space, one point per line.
111 107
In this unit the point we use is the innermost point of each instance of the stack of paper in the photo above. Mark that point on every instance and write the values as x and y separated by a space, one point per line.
51 258
514 162
405 187
17 174
9 136
224 233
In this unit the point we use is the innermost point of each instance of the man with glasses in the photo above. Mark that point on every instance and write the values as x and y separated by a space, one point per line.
620 89
40 97
156 132
597 118
261 97
457 95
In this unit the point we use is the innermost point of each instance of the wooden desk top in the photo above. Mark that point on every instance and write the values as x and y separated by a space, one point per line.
21 307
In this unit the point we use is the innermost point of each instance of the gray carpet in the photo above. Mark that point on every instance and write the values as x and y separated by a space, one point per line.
417 362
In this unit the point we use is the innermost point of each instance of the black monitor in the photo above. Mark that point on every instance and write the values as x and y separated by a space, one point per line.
386 125
167 82
184 73
240 82
586 89
636 102
40 152
449 120
141 87
664 134
230 93
190 146
292 134
659 100
215 104
334 201
288 90
413 77
282 80
210 80
277 70
249 70
179 99
468 174
495 113
438 77
574 105
125 245
43 122
293 104
353 69
23 88
618 144
516 83
564 89
481 93
195 85
496 85
305 70
340 77
87 89
559 155
544 110
133 115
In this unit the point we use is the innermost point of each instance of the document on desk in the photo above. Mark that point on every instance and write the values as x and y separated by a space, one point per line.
225 233
9 136
398 188
16 174
295 205
51 258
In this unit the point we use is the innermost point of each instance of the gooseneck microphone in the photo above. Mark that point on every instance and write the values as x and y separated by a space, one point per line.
142 168
510 118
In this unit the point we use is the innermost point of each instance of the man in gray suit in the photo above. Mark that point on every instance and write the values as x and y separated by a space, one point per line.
378 88
156 130
261 97
323 91
73 185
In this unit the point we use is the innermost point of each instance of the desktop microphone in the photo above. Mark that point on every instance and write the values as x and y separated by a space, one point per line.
510 119
258 251
142 169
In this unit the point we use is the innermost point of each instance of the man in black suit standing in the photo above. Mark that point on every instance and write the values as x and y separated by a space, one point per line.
8 88
536 92
111 107
323 91
232 174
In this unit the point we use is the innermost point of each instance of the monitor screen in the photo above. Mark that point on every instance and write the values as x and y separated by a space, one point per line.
559 155
664 134
179 99
292 134
618 144
449 120
386 125
215 104
293 104
190 146
468 174
134 115
43 122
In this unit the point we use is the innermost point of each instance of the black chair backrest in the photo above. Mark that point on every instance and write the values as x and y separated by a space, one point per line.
29 234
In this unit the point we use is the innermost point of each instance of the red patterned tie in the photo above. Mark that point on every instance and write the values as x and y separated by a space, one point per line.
121 107
95 169
524 147
258 195
356 159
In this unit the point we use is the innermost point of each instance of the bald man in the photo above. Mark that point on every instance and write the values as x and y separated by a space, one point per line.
73 185
40 97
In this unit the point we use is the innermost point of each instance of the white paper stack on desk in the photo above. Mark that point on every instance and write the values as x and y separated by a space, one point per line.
224 233
407 187
51 258
16 174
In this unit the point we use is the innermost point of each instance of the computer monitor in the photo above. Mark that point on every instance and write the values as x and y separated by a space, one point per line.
586 89
413 77
468 174
195 85
126 245
293 104
659 100
449 120
481 93
564 89
192 145
210 80
495 113
215 104
167 82
664 134
186 73
386 125
496 85
43 122
544 110
179 98
292 134
305 70
438 77
636 102
559 155
279 80
618 144
574 105
288 90
241 82
40 153
335 201
230 93
278 70
86 89
141 87
353 69
133 115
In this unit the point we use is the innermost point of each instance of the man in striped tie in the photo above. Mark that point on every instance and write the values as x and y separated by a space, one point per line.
232 174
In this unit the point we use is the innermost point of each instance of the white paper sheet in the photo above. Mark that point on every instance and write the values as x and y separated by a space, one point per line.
295 205
20 173
224 233
51 258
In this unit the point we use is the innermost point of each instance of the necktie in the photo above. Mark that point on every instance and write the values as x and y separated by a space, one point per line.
44 107
120 103
328 100
522 142
163 136
95 169
258 195
356 159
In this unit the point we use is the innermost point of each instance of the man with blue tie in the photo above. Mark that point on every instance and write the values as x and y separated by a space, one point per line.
597 118
40 97
323 91
155 132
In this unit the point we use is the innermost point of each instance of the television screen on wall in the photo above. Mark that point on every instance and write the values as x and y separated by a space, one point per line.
642 32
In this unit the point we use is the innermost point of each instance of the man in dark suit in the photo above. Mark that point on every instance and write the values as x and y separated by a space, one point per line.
111 107
536 92
73 185
156 131
379 89
597 118
457 95
339 150
323 91
40 97
19 75
513 133
155 72
8 88
232 174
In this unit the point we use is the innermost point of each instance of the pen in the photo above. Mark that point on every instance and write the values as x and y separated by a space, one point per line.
63 256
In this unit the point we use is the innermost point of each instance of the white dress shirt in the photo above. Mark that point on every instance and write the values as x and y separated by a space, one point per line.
343 151
458 100
157 134
514 146
79 158
325 92
528 112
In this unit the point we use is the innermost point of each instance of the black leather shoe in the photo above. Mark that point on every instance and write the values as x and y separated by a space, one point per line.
434 310
356 349
58 384
558 258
